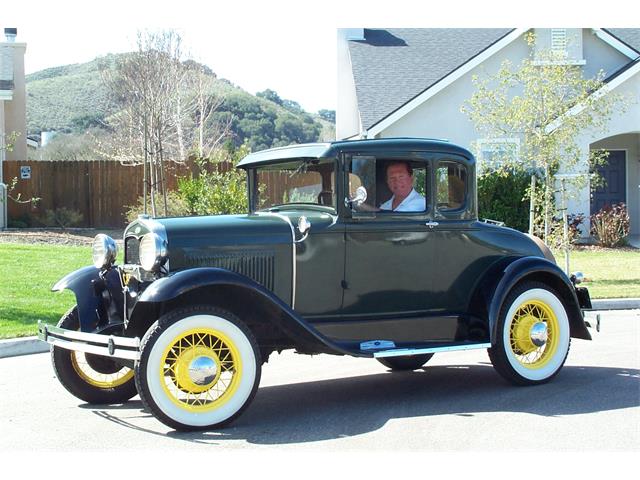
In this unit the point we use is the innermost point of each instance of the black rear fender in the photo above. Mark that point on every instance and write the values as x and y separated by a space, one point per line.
500 280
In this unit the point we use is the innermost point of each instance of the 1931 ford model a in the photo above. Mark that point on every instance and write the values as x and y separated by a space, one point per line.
320 264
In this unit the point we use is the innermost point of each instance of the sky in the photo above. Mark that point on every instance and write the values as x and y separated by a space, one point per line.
286 45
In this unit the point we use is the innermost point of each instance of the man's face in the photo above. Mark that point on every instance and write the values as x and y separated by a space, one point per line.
399 181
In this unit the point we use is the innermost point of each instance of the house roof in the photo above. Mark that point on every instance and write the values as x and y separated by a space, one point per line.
630 36
421 58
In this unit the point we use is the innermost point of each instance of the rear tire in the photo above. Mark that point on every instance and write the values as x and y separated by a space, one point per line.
515 355
199 368
410 362
93 378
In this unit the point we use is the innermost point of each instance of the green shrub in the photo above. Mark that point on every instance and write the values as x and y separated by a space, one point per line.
610 225
61 217
176 207
215 193
502 196
212 192
17 224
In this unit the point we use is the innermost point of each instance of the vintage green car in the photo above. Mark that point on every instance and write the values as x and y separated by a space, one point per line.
368 248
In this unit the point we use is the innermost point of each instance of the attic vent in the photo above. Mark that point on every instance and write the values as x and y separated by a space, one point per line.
559 41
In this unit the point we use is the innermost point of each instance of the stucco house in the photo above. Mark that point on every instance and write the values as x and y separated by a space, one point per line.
412 82
13 112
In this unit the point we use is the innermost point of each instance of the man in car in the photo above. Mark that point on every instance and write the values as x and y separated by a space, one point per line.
400 182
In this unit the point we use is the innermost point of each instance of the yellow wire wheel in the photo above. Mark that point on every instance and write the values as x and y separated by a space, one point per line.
534 335
111 378
199 368
528 316
93 378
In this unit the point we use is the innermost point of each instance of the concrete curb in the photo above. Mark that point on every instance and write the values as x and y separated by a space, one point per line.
14 347
616 304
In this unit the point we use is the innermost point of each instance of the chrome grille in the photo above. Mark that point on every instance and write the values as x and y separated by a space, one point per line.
132 250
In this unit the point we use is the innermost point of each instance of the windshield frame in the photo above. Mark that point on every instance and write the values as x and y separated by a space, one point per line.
254 193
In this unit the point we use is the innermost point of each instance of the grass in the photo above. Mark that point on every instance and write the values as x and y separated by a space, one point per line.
609 273
27 273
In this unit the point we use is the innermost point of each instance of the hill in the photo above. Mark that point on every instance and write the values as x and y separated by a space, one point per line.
72 98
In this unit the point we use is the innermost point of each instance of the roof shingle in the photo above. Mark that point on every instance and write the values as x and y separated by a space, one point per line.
419 57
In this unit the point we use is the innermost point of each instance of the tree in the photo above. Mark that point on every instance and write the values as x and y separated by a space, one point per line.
166 107
547 104
328 115
270 95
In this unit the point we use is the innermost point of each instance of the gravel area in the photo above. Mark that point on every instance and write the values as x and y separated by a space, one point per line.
71 236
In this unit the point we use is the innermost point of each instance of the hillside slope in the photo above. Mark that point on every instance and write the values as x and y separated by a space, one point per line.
73 98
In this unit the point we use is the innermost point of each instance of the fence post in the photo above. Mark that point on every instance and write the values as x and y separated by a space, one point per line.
3 205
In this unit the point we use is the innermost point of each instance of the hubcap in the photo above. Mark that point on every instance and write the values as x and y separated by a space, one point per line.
202 370
539 334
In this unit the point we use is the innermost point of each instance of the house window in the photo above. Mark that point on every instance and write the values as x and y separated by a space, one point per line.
496 152
559 42
559 46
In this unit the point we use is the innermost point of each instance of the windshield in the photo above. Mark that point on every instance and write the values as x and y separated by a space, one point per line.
303 181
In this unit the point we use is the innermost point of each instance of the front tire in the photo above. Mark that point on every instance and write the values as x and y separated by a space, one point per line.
533 335
405 363
93 378
199 368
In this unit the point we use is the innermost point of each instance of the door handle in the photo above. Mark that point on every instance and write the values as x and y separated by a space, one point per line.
432 224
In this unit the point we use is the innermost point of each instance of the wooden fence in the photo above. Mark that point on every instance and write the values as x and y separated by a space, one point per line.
100 190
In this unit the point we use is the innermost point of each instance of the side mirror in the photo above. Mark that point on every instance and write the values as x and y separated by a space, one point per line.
304 226
358 198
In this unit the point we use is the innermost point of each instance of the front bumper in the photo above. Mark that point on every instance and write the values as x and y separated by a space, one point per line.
107 345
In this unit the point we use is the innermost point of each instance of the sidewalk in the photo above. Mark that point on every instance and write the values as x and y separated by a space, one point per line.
14 347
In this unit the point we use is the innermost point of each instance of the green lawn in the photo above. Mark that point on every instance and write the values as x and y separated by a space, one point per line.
27 273
609 273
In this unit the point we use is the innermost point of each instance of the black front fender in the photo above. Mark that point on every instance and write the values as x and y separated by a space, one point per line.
169 289
81 284
539 269
88 285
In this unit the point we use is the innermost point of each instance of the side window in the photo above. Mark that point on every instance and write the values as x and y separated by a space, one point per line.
451 185
393 185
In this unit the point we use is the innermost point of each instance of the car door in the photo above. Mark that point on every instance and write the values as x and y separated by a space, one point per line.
388 257
462 254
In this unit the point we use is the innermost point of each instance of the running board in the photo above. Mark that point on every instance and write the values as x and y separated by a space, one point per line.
400 352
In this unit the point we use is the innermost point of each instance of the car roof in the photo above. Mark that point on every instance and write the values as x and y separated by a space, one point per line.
330 149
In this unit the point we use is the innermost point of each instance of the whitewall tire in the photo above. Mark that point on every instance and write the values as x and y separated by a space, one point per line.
533 335
199 368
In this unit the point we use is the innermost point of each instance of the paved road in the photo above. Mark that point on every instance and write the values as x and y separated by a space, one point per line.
336 404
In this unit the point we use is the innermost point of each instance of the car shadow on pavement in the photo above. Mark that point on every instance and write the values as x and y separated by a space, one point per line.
344 407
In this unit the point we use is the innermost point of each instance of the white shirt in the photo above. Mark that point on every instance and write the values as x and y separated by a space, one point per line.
414 202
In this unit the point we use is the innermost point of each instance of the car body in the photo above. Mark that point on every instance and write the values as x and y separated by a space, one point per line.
317 266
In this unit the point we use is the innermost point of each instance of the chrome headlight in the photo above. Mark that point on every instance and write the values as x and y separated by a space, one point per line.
153 252
104 251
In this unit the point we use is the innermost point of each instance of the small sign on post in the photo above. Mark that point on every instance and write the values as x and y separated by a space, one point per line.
25 172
